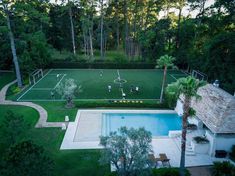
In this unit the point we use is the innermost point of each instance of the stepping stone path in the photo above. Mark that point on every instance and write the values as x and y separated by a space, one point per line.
42 122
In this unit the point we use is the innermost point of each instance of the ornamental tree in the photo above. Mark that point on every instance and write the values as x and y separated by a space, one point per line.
127 150
67 90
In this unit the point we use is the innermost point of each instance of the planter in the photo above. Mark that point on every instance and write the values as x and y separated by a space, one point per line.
200 148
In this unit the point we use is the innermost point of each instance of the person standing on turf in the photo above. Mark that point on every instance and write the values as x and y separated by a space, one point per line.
109 88
52 95
101 73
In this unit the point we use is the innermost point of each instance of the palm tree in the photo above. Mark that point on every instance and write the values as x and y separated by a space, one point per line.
5 8
187 87
165 61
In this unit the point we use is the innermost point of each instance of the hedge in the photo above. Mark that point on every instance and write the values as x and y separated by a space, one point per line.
120 104
102 65
160 172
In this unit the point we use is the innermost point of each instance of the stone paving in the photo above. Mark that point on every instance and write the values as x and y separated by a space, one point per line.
42 122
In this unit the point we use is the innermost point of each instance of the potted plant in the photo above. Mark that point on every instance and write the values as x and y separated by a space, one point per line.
200 145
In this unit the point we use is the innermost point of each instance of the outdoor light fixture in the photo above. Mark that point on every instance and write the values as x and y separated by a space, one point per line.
216 83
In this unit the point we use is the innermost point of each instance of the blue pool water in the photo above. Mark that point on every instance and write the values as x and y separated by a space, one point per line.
157 124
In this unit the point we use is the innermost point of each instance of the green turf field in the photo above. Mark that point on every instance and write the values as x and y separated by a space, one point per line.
94 84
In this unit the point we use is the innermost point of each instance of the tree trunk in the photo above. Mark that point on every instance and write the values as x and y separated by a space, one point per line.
126 27
84 43
91 44
178 30
13 49
101 32
163 84
72 29
186 108
117 24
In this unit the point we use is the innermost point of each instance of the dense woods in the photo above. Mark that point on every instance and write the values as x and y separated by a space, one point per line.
121 31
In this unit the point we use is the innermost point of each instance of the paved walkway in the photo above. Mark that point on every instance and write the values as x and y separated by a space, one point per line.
42 122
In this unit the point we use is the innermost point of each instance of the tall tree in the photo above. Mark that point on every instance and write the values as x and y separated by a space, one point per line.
117 23
165 62
72 28
5 6
187 88
102 29
179 4
69 5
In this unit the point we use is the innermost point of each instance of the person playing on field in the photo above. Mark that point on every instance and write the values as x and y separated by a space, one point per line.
109 88
137 89
132 88
57 76
101 73
52 95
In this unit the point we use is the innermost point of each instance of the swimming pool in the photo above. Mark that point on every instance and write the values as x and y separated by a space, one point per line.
159 124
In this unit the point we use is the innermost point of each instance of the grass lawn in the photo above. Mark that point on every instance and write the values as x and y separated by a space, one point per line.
57 111
94 84
6 77
67 163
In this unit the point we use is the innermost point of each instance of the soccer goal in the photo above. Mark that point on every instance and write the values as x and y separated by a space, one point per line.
35 76
199 75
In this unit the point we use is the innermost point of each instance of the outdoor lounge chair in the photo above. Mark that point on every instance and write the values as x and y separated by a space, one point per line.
153 162
165 161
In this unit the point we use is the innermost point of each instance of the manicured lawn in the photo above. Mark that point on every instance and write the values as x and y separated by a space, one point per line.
6 77
68 162
57 111
94 84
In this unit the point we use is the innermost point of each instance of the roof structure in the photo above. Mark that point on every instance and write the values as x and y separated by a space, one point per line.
216 109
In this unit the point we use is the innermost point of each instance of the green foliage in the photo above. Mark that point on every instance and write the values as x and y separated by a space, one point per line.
35 52
165 61
187 86
224 168
12 129
26 158
102 64
168 172
130 147
200 140
232 153
170 98
6 77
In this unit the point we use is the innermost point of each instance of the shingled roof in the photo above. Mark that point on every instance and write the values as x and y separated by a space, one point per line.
216 109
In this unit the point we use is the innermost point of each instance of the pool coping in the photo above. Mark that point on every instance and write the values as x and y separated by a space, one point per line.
69 143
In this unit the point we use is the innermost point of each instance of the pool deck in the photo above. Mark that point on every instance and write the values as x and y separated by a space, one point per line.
85 131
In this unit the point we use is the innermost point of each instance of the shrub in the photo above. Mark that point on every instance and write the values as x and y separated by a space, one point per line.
232 154
111 174
168 172
200 140
118 104
160 172
224 168
14 89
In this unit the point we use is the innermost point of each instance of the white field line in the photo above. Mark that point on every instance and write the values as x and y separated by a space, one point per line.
173 77
59 81
41 88
118 74
89 100
119 77
33 85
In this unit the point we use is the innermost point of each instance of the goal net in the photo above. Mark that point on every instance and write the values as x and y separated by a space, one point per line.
35 76
199 75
